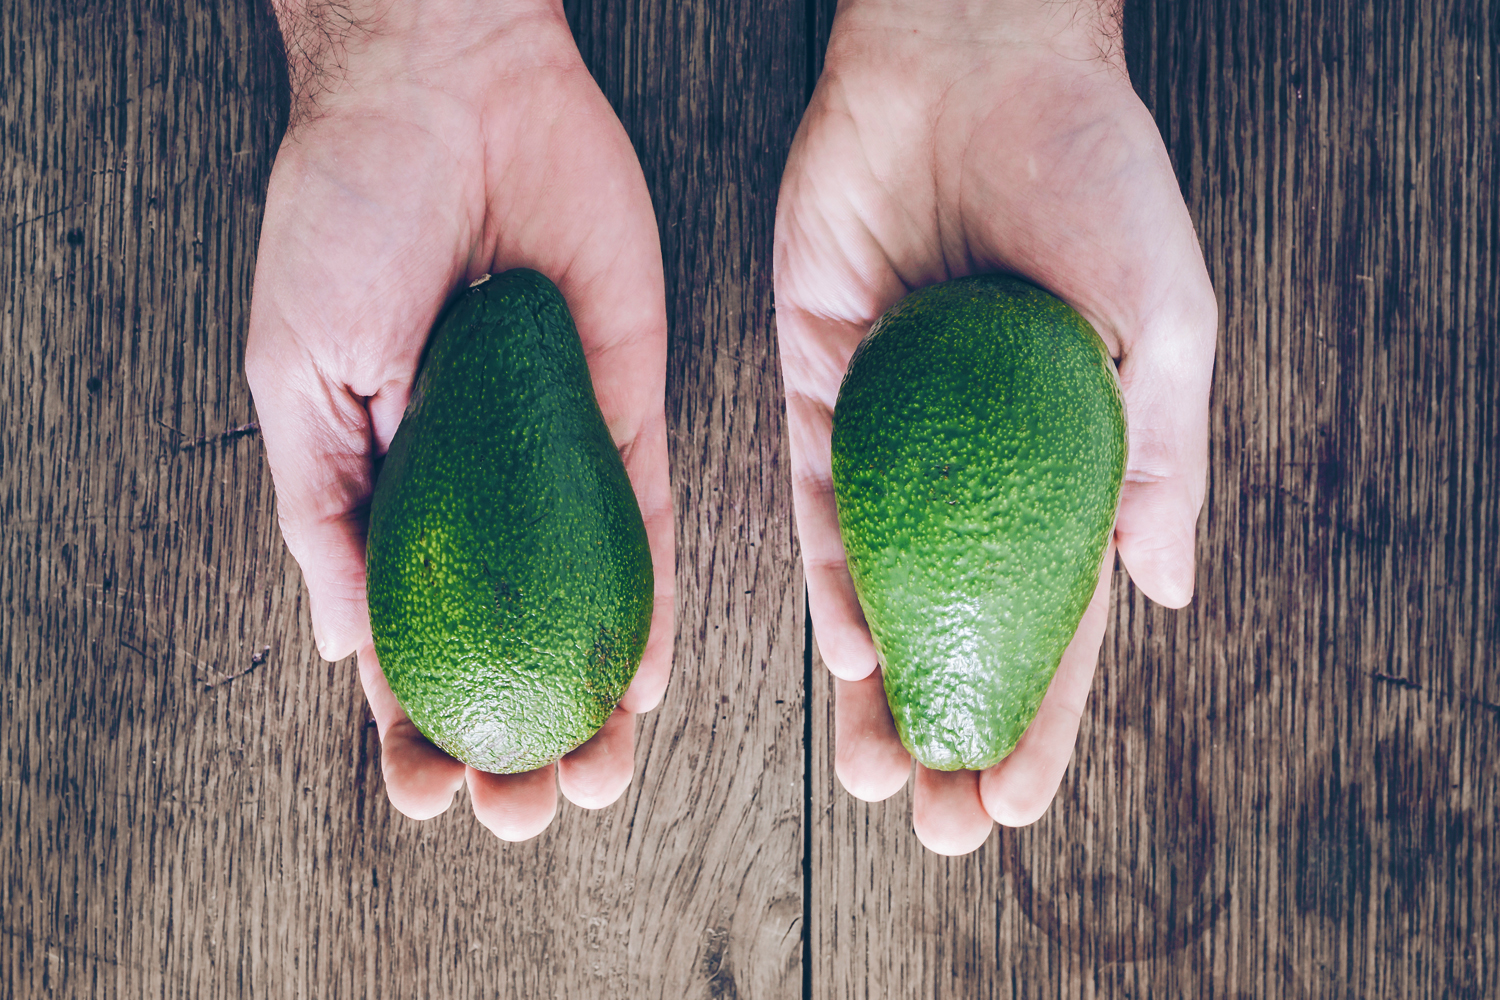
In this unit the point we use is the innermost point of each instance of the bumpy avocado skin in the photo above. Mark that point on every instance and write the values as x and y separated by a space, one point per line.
509 576
978 453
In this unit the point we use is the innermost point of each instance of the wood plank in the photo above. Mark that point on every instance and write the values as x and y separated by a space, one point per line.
1284 791
1287 789
710 96
191 800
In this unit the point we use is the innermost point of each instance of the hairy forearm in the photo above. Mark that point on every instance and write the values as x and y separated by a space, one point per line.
344 21
348 45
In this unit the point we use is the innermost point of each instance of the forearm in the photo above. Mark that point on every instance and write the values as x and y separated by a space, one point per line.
350 46
346 23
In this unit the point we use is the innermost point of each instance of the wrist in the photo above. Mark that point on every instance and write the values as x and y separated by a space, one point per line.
1078 29
454 22
349 50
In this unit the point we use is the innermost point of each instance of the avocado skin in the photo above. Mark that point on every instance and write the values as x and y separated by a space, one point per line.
509 575
979 446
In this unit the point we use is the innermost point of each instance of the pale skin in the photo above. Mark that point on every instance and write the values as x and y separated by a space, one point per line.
951 138
434 141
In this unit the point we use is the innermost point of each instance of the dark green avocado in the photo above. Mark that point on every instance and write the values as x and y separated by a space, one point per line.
978 455
509 577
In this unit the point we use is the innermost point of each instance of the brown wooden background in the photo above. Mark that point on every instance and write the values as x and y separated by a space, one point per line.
1287 790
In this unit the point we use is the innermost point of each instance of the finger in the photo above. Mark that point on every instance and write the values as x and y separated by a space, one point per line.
1165 373
420 780
1018 790
838 621
649 685
868 756
317 442
514 807
347 285
946 812
646 463
597 773
386 408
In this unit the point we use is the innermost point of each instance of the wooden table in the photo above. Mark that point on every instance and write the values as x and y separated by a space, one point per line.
1287 790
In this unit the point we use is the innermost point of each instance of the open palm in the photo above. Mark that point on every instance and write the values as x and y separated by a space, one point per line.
932 151
429 161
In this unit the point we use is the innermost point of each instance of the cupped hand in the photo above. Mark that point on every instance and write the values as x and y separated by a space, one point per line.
938 144
431 144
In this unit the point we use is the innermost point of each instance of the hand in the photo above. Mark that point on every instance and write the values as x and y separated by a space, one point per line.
939 144
434 143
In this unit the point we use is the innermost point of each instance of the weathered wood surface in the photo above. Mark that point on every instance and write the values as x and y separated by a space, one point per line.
1287 790
192 803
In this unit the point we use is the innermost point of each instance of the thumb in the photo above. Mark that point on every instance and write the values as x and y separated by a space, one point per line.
318 443
1165 374
356 258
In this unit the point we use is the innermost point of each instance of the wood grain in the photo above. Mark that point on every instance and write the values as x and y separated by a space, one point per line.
192 803
1288 789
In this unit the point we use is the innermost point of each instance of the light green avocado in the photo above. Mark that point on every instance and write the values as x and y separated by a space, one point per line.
978 455
509 577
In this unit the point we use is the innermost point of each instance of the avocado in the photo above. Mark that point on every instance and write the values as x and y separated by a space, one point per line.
509 576
978 455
